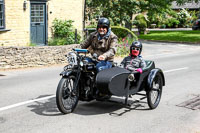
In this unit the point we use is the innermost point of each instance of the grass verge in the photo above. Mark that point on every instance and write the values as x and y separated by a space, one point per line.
173 36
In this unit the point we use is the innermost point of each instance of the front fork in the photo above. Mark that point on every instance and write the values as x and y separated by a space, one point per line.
77 74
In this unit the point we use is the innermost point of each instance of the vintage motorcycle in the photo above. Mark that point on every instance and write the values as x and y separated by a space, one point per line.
80 81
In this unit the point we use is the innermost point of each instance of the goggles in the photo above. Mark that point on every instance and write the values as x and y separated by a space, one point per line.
136 49
102 27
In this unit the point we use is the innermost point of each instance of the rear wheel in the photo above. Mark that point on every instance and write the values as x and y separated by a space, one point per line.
154 94
66 95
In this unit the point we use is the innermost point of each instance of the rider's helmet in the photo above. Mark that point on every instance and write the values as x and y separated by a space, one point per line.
103 22
136 48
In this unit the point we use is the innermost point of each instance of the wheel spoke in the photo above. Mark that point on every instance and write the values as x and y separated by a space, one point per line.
70 83
65 96
154 95
69 99
155 91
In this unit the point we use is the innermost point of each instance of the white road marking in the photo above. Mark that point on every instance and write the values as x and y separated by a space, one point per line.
26 102
48 97
178 69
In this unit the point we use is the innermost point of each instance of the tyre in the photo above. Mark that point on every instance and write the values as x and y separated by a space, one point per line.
66 96
154 93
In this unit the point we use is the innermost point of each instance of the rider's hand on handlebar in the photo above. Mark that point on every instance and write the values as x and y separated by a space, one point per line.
101 57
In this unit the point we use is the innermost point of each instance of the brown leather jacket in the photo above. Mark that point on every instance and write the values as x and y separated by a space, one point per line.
105 46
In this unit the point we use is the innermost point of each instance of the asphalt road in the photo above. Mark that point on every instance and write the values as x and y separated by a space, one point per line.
27 101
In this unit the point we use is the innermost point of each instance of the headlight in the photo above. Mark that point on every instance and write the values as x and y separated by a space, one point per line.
131 77
81 63
72 58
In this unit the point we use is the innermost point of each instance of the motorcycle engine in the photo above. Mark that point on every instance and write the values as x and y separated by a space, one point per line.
88 66
87 85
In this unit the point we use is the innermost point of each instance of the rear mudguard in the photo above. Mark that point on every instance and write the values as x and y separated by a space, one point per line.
152 75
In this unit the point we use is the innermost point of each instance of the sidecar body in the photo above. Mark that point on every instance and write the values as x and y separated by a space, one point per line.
116 81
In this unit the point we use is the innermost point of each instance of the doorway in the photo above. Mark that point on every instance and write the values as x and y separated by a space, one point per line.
38 23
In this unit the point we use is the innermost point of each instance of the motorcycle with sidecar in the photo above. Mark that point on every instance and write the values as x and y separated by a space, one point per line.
81 81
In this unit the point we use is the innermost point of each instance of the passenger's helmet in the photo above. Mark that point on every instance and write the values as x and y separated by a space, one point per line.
135 45
103 22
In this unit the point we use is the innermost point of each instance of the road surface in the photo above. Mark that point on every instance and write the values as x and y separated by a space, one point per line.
27 101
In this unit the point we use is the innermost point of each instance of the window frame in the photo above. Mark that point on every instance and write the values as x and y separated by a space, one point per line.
3 14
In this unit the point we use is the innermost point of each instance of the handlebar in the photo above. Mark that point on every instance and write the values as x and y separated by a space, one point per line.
80 50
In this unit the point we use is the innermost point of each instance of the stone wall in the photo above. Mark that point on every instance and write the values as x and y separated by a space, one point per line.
22 57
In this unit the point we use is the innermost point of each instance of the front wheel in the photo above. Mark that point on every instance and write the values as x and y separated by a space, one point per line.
154 94
67 95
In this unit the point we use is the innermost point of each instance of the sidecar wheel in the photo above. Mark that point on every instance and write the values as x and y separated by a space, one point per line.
66 97
154 94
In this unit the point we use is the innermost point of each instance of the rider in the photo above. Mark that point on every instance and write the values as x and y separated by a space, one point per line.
102 42
134 61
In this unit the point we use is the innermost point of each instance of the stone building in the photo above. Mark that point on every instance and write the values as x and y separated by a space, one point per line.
26 21
190 6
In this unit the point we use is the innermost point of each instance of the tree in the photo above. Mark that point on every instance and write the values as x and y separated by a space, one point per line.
120 12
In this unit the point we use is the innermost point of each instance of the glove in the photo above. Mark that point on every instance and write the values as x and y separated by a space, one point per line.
139 70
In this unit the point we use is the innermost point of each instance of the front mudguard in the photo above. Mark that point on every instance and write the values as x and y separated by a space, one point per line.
66 73
152 75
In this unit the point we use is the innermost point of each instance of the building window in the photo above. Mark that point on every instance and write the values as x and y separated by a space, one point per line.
2 12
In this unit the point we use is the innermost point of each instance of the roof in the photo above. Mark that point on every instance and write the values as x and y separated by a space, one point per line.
191 5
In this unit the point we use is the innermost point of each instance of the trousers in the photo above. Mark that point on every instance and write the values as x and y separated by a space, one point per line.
101 65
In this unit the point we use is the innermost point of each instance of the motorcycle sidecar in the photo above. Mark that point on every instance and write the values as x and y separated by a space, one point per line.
116 81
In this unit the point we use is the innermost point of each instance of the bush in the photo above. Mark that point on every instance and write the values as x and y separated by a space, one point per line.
123 48
141 23
57 41
126 37
162 26
63 33
157 18
172 19
172 23
184 18
140 17
194 16
123 32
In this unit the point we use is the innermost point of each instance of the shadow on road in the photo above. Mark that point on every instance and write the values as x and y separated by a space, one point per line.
115 107
45 108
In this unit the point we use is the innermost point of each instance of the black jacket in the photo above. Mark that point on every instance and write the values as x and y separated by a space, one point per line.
132 63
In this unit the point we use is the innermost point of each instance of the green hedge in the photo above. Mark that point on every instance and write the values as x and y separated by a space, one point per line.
121 32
